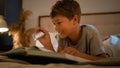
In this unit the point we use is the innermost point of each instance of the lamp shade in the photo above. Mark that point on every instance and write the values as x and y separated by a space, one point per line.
3 24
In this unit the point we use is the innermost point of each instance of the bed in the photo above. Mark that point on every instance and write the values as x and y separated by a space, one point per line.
6 62
108 24
31 61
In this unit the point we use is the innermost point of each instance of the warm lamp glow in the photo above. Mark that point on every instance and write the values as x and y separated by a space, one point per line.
3 29
3 25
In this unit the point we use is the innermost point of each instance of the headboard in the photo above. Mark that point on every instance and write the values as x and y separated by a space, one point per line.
107 23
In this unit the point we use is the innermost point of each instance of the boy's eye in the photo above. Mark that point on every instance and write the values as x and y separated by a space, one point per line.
57 23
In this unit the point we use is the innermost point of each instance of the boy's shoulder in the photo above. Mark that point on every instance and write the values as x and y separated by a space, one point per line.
89 29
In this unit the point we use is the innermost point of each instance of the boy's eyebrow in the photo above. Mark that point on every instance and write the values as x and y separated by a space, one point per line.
56 20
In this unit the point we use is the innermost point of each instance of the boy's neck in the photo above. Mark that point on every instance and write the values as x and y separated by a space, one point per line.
76 36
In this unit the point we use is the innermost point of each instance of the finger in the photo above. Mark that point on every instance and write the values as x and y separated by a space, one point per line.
67 51
38 29
44 30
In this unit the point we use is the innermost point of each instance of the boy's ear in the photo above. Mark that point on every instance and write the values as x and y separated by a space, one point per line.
75 18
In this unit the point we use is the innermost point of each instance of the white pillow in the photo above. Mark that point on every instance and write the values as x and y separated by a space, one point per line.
112 46
54 40
115 40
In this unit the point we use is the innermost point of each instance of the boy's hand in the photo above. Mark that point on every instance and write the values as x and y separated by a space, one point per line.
71 51
45 40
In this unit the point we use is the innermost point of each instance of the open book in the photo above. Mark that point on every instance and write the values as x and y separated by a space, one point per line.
35 56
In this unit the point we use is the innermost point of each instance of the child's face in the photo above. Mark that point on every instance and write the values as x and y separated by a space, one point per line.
63 25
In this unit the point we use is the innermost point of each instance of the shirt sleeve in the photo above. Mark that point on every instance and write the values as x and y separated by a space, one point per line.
96 45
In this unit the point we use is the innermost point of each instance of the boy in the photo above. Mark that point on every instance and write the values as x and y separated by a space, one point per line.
78 40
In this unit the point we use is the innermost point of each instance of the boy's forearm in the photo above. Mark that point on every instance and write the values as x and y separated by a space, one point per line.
74 52
89 57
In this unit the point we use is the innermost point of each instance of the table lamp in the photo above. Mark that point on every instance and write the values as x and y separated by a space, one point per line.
3 24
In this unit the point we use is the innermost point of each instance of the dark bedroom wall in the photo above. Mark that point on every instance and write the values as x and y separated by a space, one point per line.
11 12
2 7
